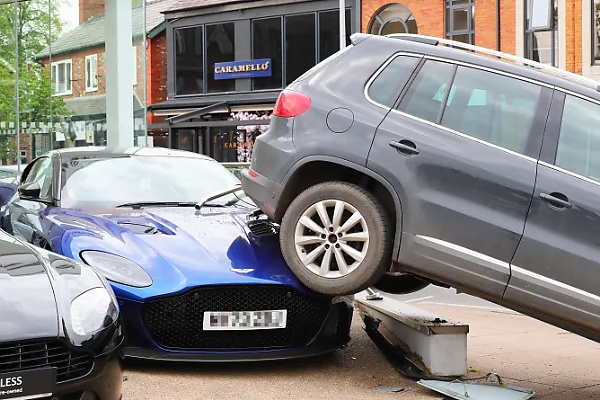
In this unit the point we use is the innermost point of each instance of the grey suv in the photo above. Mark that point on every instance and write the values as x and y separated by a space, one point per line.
407 160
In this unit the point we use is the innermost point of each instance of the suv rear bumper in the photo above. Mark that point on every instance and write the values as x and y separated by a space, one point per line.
263 191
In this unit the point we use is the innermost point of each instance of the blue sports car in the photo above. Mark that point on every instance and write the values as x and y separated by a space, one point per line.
196 268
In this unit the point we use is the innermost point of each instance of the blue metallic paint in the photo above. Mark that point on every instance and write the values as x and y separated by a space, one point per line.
212 246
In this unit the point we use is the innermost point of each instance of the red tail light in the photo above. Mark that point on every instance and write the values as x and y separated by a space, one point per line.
291 104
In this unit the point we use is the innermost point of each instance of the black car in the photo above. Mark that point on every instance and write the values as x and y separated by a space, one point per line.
407 159
60 328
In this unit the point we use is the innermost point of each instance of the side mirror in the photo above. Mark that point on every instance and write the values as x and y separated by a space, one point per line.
30 191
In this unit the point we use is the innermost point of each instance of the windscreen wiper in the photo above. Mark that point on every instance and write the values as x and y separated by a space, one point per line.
208 198
138 205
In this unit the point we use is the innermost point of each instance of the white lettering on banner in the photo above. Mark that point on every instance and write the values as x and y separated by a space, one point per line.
10 382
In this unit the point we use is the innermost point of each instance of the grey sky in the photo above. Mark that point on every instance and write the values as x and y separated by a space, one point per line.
69 11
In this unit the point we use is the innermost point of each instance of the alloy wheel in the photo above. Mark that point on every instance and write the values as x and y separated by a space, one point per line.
331 238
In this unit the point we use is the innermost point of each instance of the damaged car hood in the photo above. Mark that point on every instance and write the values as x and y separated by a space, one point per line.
179 247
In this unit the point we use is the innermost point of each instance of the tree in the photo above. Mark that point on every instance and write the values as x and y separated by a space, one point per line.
38 24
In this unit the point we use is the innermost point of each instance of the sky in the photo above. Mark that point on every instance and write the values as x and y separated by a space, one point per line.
69 11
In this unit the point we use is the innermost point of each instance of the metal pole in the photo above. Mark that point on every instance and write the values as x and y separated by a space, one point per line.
51 129
145 73
342 24
17 99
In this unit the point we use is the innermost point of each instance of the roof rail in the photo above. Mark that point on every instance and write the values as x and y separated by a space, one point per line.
549 70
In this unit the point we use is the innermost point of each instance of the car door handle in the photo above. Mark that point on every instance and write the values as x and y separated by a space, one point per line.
405 146
557 200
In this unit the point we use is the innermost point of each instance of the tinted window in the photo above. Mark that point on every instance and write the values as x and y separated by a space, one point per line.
266 43
220 47
386 87
579 142
300 45
41 172
424 97
492 107
189 61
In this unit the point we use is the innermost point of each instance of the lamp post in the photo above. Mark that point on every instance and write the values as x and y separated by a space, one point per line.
17 99
342 24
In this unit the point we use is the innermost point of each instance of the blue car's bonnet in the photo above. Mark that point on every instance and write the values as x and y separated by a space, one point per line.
178 247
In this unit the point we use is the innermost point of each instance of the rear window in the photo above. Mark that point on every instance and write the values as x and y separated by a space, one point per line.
386 87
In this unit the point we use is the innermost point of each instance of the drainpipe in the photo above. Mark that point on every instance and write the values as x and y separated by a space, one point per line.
498 25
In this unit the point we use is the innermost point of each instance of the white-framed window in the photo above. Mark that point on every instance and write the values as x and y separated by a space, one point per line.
61 77
134 55
91 73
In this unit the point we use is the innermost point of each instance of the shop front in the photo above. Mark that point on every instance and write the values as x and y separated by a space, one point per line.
227 64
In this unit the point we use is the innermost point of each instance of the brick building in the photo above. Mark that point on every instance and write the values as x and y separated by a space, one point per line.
570 41
76 60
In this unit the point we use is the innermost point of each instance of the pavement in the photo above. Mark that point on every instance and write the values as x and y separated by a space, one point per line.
522 351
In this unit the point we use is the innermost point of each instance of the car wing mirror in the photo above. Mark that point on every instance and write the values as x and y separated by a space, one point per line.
30 191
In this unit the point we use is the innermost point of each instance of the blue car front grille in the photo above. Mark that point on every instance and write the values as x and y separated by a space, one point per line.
70 364
176 322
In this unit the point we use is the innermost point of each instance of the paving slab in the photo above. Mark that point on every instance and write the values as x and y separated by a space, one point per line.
350 373
523 351
528 353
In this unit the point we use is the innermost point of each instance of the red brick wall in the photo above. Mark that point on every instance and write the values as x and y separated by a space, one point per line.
574 39
157 72
430 17
90 8
78 71
428 14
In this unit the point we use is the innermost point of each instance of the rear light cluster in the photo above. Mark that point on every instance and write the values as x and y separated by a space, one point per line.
291 104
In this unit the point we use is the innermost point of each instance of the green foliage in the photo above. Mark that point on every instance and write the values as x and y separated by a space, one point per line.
38 24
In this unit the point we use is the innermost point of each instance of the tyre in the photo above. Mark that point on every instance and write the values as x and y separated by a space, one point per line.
399 283
337 238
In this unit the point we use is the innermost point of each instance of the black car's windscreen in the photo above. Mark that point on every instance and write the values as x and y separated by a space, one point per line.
109 182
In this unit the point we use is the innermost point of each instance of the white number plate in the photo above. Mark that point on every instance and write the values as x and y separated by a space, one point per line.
244 320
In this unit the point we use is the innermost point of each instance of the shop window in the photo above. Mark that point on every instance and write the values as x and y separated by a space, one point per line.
596 31
189 61
460 21
541 37
220 47
329 32
61 77
267 43
393 18
300 45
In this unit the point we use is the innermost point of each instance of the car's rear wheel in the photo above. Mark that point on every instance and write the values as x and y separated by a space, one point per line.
337 238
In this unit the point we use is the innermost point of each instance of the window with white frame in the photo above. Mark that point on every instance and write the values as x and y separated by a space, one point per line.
61 77
541 31
91 73
134 54
595 32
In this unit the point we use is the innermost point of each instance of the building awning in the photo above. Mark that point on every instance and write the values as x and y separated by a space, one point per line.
95 105
258 101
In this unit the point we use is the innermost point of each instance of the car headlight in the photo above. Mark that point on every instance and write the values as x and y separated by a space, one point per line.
90 310
117 269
